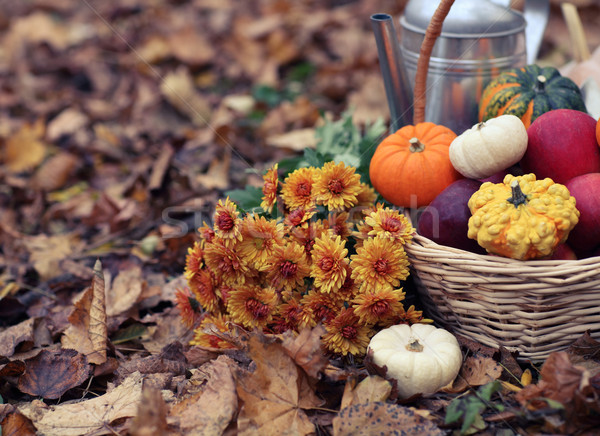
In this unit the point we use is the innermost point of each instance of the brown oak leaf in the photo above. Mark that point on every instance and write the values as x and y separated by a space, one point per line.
276 394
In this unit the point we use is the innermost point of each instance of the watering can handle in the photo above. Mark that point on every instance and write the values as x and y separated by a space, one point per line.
434 29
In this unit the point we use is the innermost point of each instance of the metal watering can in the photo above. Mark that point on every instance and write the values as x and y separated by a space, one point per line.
479 39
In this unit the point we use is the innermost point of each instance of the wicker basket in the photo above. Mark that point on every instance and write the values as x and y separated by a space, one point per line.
533 307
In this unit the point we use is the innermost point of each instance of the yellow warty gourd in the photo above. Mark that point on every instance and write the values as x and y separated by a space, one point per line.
522 218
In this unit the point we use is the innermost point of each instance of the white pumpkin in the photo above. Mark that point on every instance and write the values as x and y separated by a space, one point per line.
421 358
489 147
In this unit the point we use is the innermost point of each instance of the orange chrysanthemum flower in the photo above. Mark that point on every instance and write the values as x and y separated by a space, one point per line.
373 307
259 239
252 306
189 308
340 224
346 335
379 264
287 267
194 260
337 186
202 286
269 189
297 188
225 262
227 223
391 224
329 263
299 217
410 316
207 233
212 332
318 307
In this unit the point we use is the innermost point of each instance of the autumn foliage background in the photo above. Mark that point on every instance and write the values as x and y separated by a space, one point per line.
122 124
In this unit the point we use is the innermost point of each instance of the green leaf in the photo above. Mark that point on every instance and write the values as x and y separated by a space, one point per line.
134 331
486 391
248 198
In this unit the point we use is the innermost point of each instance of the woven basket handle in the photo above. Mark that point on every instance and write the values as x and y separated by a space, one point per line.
434 29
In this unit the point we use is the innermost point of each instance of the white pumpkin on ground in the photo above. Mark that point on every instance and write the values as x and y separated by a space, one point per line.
421 358
489 147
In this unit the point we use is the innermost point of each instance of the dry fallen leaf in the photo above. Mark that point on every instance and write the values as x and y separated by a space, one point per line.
296 140
55 172
475 371
46 252
25 149
11 337
88 332
306 350
217 176
382 418
371 389
209 411
274 395
52 373
90 416
67 122
16 424
151 418
124 291
179 90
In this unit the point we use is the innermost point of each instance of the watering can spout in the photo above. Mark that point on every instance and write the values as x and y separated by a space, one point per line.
395 78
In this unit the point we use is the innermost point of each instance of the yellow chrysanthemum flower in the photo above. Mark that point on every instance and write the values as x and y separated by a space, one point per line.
337 186
379 264
259 239
307 235
227 223
391 224
287 267
297 189
367 196
329 262
207 233
225 262
252 306
318 307
212 332
373 307
269 189
346 335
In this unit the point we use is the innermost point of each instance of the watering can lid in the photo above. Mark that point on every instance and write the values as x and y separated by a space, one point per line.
467 18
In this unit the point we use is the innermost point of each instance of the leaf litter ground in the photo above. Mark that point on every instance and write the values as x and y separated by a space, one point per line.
121 125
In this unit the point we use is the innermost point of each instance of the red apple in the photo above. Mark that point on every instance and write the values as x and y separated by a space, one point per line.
562 145
585 236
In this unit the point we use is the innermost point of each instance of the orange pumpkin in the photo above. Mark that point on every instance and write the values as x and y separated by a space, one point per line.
598 131
412 166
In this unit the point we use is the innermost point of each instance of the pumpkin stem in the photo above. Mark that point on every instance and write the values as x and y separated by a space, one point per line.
416 146
540 83
517 198
414 345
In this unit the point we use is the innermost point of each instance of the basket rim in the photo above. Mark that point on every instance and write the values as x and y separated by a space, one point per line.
435 249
